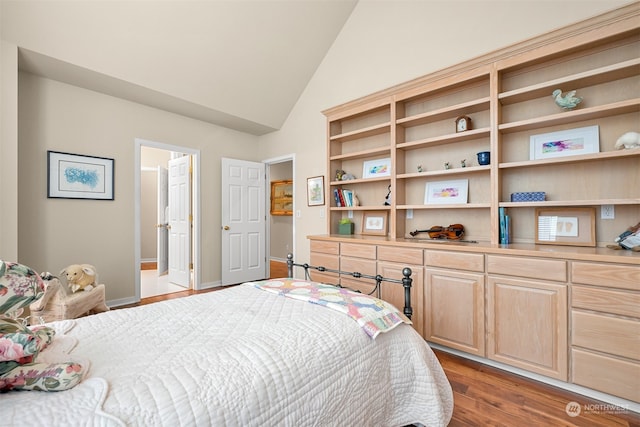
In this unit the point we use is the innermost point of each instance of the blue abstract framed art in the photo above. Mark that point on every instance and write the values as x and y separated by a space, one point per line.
76 176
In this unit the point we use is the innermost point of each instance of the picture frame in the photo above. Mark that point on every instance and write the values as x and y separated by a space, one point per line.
315 191
282 197
446 192
376 168
571 142
570 226
374 223
78 176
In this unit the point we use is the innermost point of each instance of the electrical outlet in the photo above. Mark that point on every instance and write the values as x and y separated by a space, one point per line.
607 212
322 213
350 214
409 213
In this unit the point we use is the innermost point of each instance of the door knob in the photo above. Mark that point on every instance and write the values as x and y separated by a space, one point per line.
226 227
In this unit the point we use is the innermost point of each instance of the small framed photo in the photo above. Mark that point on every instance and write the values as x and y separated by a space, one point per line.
376 168
75 176
375 223
566 226
315 191
282 197
564 143
446 192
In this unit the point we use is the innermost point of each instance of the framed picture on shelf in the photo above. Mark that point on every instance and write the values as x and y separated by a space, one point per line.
375 223
376 168
75 176
571 142
315 191
566 226
282 197
446 192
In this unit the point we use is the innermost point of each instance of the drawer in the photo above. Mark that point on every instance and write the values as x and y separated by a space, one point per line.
401 255
455 260
364 266
534 268
608 275
325 260
358 250
608 374
620 337
606 300
325 247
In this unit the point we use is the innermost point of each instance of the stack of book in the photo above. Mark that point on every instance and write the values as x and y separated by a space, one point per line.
343 197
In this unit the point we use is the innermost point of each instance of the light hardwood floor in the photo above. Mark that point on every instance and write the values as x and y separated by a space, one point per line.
486 396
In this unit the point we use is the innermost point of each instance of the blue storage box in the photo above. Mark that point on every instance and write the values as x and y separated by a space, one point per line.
532 196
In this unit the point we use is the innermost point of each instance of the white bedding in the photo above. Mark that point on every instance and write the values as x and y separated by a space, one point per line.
240 357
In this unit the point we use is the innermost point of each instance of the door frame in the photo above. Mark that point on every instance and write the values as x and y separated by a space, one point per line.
268 162
196 222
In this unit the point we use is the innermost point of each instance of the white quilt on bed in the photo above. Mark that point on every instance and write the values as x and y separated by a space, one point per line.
241 357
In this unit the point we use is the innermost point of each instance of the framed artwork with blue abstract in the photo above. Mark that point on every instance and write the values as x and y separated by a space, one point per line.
75 176
571 142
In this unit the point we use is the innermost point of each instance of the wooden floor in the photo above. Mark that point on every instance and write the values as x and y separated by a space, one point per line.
486 396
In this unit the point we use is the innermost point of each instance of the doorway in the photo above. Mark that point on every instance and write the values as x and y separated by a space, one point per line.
153 222
280 228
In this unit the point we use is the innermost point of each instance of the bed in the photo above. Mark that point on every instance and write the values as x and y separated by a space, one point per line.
249 355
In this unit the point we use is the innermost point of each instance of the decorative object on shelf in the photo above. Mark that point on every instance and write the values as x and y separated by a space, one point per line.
347 177
75 176
566 226
339 174
387 199
420 168
375 223
568 101
463 163
315 191
564 143
345 226
463 123
484 158
376 168
529 196
356 201
452 232
446 192
447 165
628 140
282 197
629 239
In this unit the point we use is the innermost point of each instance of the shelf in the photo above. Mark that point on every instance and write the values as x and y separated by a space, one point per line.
362 154
443 113
363 133
567 117
573 159
562 203
359 181
588 78
445 139
470 169
360 208
456 206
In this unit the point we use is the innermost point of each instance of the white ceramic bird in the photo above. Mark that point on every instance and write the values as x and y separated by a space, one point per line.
567 102
628 140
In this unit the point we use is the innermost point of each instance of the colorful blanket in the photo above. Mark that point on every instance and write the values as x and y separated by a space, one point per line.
372 314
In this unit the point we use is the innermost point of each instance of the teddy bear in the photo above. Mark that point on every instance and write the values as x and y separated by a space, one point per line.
20 344
80 277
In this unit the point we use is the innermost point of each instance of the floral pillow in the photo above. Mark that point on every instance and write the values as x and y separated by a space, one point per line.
20 345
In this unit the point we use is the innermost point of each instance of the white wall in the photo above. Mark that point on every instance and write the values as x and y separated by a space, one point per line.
385 43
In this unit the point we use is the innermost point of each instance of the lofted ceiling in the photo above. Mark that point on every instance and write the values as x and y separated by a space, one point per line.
241 64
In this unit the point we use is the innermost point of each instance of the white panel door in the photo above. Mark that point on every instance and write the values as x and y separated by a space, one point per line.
163 236
243 221
180 221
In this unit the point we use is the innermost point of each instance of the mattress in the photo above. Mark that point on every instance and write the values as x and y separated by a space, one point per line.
237 357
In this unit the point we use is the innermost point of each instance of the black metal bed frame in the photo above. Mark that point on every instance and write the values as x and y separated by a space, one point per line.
406 280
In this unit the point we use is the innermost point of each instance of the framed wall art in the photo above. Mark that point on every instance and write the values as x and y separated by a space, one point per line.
375 223
564 143
315 191
566 226
76 176
282 197
446 192
376 168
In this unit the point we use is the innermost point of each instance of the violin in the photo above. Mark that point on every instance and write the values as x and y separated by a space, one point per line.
452 232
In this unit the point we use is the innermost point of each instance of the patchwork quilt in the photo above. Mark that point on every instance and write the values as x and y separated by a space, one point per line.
239 357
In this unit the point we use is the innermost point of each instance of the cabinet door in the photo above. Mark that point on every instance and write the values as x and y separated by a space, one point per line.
527 325
394 292
454 310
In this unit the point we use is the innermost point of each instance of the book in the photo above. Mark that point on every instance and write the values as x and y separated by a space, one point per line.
337 197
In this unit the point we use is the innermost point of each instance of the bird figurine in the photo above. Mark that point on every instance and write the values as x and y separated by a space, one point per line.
628 140
567 102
